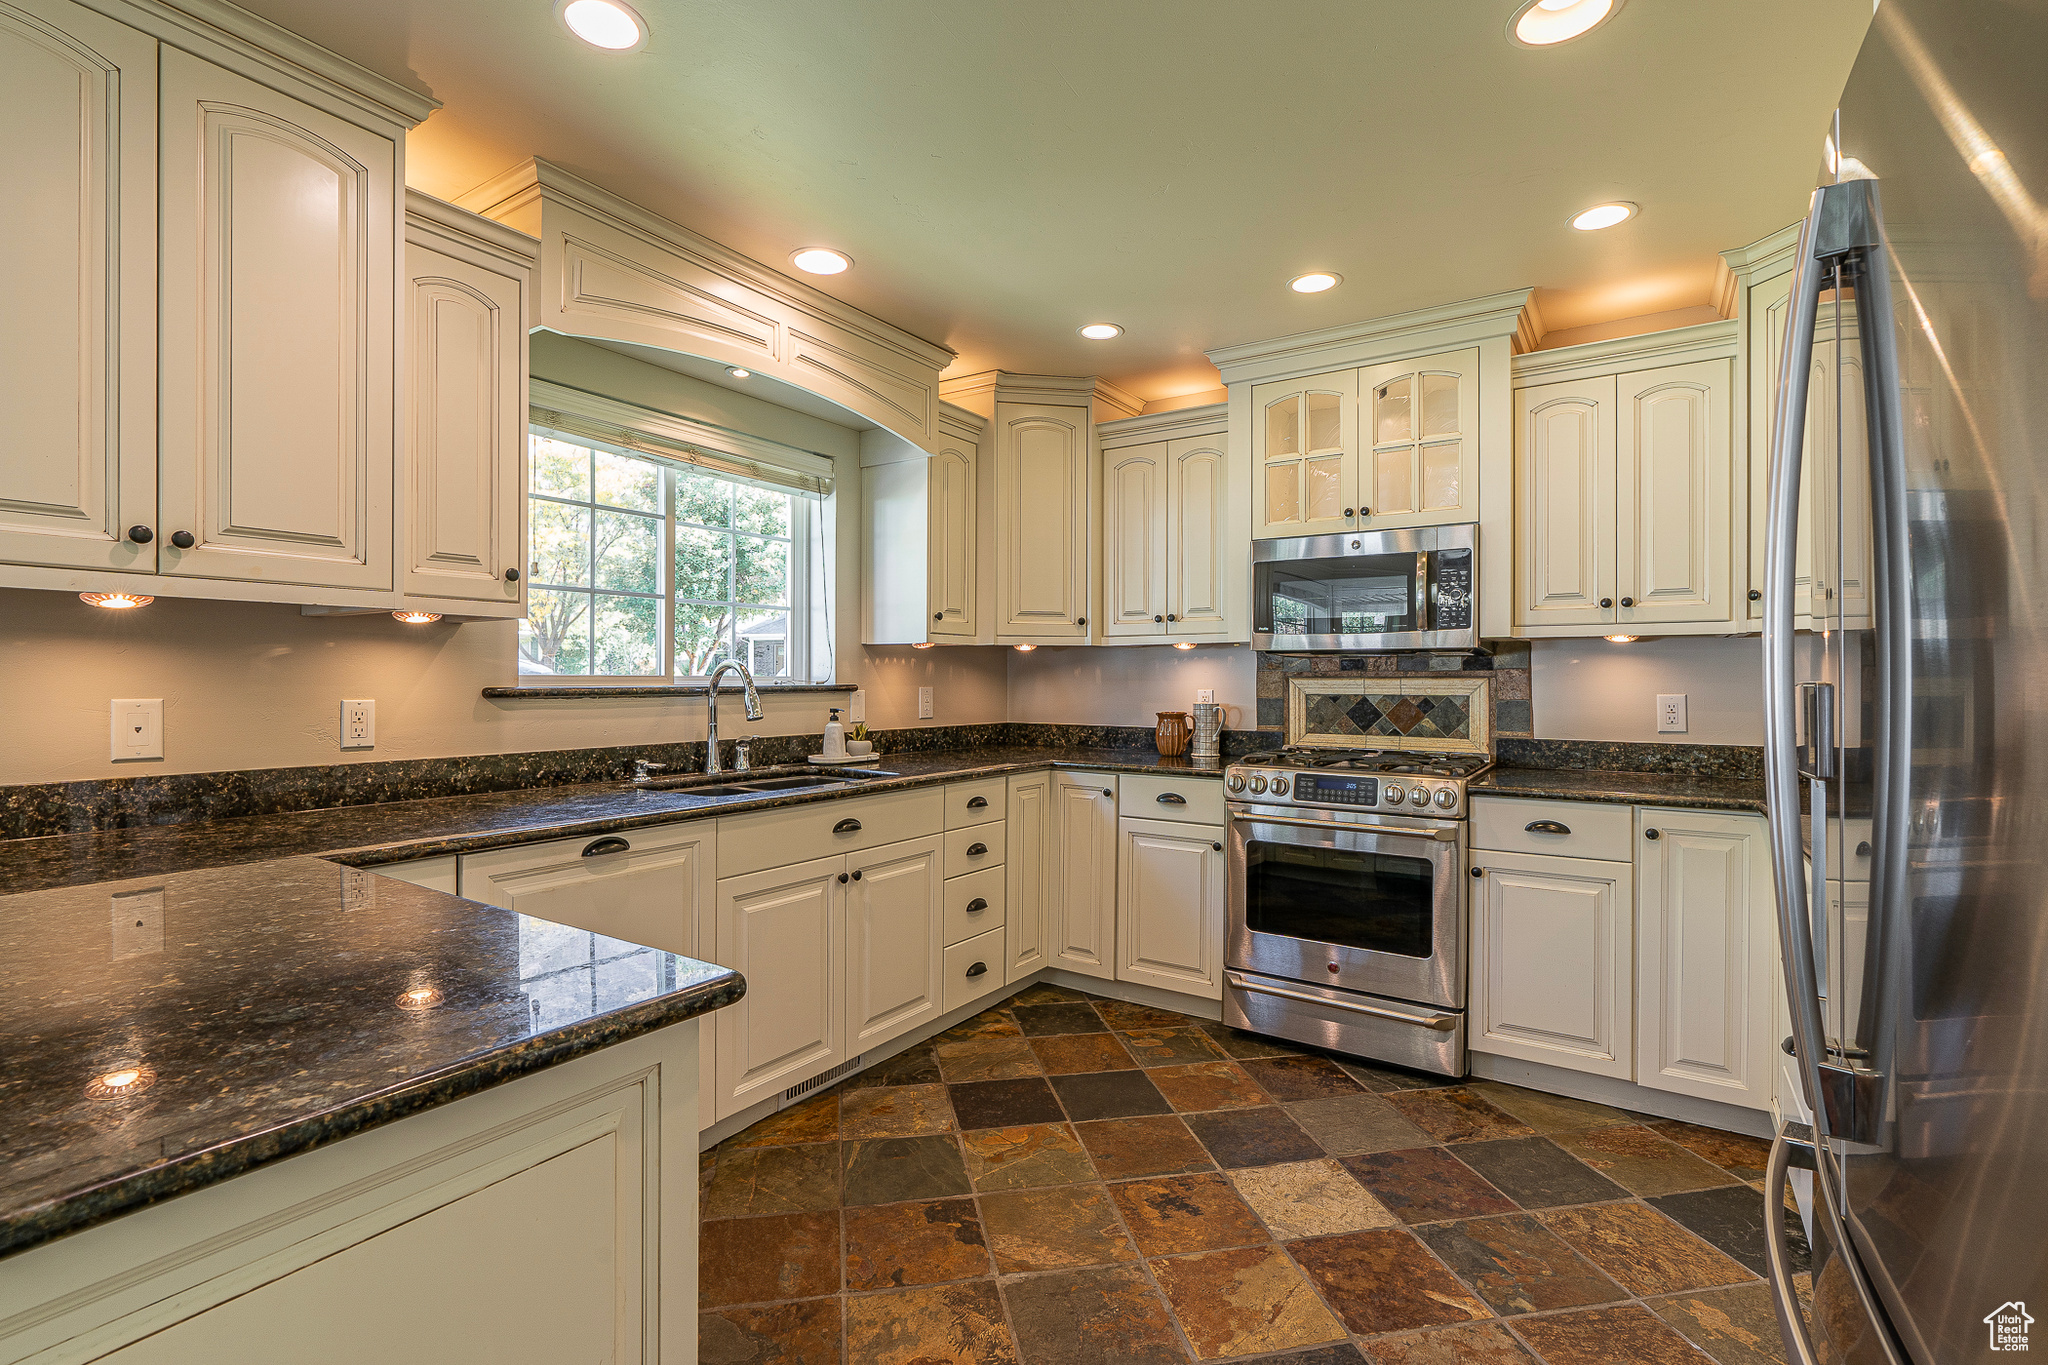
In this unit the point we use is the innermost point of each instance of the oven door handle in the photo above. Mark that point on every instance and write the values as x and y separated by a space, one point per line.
1442 1023
1448 836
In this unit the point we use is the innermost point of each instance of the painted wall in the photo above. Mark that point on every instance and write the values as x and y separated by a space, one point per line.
1590 689
259 686
1129 685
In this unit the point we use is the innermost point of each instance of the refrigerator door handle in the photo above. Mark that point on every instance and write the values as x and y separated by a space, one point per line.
1778 1257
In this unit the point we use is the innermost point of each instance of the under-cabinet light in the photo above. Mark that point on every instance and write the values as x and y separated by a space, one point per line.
116 601
416 618
1623 639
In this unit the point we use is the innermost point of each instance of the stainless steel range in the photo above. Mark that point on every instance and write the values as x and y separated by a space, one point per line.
1347 901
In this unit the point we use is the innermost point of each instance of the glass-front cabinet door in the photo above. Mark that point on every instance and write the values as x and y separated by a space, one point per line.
1305 445
1421 460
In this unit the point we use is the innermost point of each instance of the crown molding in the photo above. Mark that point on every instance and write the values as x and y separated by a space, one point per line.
1763 256
981 391
438 218
505 196
1444 327
1618 355
1726 293
961 422
1210 419
251 36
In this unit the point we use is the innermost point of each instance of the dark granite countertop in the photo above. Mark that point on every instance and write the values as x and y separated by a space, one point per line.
260 1005
1624 788
365 836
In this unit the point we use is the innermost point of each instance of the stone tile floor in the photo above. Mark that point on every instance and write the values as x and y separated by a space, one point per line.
1064 1180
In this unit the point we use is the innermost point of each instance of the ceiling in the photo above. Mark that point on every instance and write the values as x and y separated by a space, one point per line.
1002 173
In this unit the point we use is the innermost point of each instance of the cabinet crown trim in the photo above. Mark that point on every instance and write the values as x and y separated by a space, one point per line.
1447 327
1211 419
437 218
1765 253
540 180
987 387
1619 355
249 35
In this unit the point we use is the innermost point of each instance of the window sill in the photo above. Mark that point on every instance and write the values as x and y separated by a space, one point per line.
569 692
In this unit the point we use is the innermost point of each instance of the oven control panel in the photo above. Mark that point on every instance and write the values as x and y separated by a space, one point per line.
1358 791
1337 790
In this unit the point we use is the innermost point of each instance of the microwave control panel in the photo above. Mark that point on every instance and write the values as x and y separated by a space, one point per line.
1453 590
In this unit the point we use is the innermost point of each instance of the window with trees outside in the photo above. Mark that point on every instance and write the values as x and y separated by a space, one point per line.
643 568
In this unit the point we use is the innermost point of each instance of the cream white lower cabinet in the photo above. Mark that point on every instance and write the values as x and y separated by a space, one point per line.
1028 877
785 931
1553 961
551 1218
894 918
1706 952
436 874
1170 905
1081 934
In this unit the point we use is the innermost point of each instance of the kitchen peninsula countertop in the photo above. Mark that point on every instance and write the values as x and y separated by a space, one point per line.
1624 788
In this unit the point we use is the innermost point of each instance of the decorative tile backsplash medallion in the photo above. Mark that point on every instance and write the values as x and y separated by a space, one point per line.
1506 671
1358 711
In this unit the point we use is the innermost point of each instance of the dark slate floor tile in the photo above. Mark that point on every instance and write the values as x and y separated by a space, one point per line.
1457 1115
1184 1213
1300 1078
1066 1054
1123 1015
1060 1227
1341 1353
1601 1336
1243 1301
1741 1156
1537 1173
805 1333
1088 1317
1152 1145
1426 1185
1548 1113
1040 1020
987 1059
928 1242
912 1066
812 1120
1641 1162
1045 993
1241 1045
1202 1086
1732 1218
1349 1125
995 1023
1170 1046
781 1256
895 1111
1253 1137
1019 1158
1384 1080
891 1170
1478 1343
1005 1104
1109 1095
793 1179
1647 1253
1735 1326
1384 1280
961 1324
1519 1266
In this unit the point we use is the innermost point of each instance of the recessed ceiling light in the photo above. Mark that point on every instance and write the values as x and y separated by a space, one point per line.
821 260
1315 282
116 601
1546 23
737 373
1101 331
608 24
1604 216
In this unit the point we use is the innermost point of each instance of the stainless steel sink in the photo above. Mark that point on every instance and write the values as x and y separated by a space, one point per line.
797 782
739 784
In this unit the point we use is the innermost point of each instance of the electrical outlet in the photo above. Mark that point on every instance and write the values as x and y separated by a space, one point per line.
358 724
924 703
138 923
857 707
1671 713
1205 696
137 728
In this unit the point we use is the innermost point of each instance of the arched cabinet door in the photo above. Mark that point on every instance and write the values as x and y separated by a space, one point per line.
953 575
1044 470
277 259
1135 538
1197 549
1565 503
77 254
1672 457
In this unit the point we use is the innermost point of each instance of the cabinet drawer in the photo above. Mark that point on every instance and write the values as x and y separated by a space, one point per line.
961 846
775 838
1591 830
963 981
972 803
648 885
1150 797
983 888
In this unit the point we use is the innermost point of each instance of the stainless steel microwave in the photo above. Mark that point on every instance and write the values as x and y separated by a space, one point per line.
1366 590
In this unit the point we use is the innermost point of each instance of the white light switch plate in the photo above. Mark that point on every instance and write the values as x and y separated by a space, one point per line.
924 703
138 728
1671 713
359 724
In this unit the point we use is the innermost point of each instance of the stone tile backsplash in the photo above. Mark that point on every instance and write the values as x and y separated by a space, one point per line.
1507 668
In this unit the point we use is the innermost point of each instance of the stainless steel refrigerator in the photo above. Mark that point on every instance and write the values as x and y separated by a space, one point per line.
1906 696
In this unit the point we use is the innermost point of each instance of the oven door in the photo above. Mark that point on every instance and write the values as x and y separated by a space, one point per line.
1362 905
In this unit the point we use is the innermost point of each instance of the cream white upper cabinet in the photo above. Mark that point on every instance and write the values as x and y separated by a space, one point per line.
1675 530
1837 509
952 575
1305 455
277 261
1625 501
465 281
1044 469
1420 465
1553 961
1031 861
1081 921
1170 904
785 931
923 535
1565 505
1706 955
1200 554
1135 537
894 923
1769 302
78 271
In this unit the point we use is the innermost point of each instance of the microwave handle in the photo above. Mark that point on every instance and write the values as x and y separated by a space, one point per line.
1425 593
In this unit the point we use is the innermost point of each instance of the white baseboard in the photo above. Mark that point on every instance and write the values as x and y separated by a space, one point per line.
1620 1094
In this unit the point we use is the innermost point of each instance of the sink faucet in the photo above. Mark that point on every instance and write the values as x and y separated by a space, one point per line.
711 763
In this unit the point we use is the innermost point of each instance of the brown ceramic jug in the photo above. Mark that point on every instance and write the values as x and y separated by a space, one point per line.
1172 734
